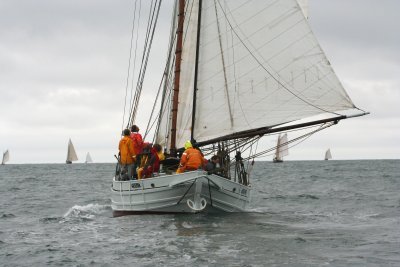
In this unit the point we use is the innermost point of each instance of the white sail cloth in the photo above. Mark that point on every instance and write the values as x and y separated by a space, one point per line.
71 154
283 148
6 157
328 154
259 65
88 158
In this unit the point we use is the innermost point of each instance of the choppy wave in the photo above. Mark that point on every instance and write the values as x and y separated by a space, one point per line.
7 215
300 215
88 211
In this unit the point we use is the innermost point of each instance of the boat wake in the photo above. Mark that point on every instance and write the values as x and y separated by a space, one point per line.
88 211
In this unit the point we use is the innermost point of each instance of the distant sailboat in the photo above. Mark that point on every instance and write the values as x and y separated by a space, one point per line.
328 154
71 155
6 157
281 148
88 158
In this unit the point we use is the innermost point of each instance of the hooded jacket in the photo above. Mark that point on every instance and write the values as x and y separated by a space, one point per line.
192 159
126 150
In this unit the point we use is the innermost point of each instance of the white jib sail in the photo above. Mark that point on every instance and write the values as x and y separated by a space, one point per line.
6 157
71 155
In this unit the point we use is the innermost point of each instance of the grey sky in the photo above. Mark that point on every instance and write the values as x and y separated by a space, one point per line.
63 67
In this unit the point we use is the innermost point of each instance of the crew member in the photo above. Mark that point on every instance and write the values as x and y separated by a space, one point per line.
192 159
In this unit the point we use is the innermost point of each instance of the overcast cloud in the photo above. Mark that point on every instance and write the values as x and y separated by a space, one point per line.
63 68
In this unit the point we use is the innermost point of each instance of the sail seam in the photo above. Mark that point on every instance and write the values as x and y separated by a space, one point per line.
263 67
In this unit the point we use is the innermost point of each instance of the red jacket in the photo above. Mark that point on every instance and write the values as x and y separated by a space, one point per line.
137 142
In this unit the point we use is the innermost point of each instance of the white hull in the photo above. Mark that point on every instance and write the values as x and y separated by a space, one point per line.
190 192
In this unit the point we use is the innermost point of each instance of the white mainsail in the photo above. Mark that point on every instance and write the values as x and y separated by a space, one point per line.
304 7
259 66
88 158
6 157
328 154
71 154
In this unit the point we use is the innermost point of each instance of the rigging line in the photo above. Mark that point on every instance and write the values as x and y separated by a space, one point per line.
223 64
139 74
154 106
136 47
145 66
129 65
145 51
167 70
303 137
146 60
138 78
263 67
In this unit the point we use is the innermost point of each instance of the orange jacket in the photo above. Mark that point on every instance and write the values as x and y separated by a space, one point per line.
192 159
126 150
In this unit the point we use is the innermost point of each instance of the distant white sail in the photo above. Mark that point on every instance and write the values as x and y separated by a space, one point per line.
6 157
71 155
88 158
328 154
282 149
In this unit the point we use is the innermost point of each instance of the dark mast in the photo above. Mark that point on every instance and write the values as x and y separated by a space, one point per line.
178 55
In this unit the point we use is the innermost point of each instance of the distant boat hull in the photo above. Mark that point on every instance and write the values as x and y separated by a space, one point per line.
68 162
190 192
275 160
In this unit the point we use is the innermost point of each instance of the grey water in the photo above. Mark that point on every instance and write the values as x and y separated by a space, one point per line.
302 213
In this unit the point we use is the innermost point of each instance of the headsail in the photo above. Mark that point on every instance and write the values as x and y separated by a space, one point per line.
259 66
6 157
71 154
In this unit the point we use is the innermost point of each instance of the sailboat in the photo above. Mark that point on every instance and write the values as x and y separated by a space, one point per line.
281 148
88 158
6 157
328 154
71 154
236 72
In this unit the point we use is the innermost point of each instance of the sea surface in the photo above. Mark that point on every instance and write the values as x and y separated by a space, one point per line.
302 213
